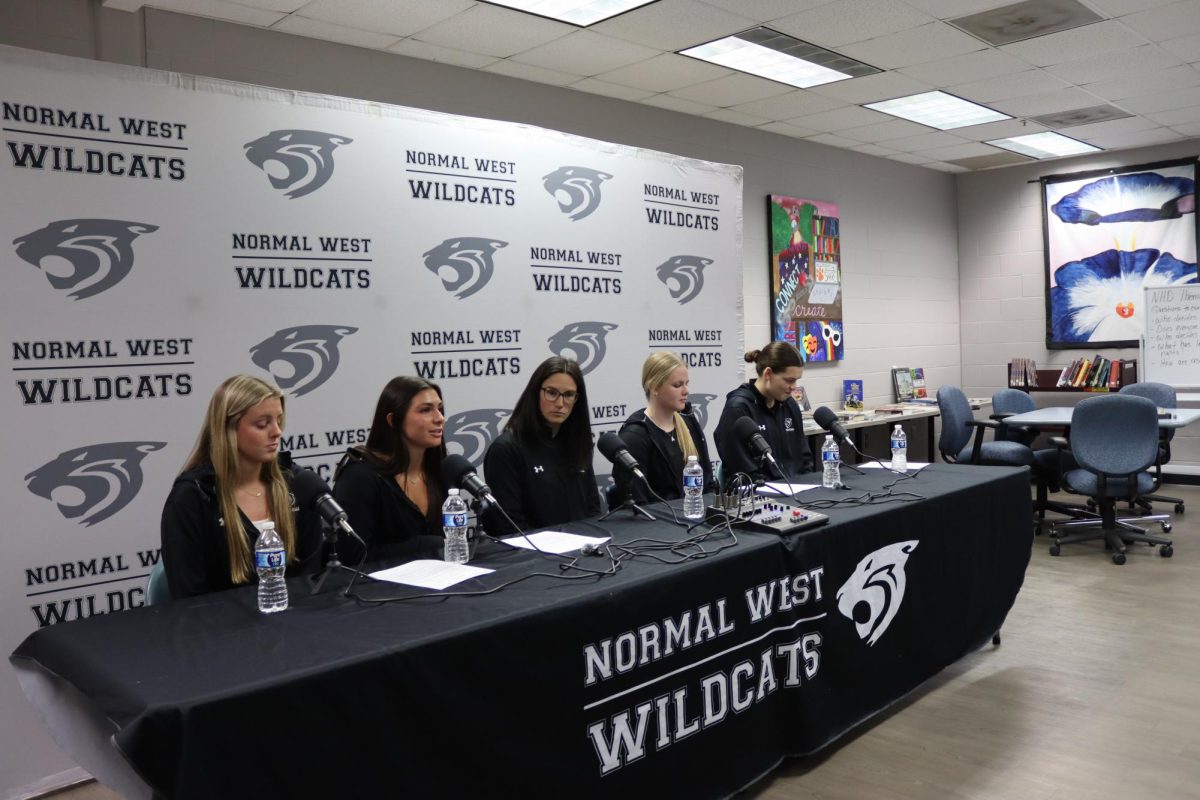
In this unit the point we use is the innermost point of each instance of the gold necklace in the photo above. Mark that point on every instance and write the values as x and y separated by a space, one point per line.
247 491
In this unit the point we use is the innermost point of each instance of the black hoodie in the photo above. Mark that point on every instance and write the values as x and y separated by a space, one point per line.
645 442
782 427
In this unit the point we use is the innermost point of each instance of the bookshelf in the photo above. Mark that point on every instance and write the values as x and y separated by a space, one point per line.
1048 378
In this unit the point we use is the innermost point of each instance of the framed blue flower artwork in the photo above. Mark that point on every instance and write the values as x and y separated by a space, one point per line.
1109 234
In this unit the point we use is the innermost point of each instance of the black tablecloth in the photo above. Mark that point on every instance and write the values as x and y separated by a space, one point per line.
685 680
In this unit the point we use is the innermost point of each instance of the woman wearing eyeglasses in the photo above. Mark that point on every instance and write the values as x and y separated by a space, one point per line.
540 468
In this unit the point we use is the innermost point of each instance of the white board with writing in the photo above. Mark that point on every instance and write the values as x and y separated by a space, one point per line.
1171 342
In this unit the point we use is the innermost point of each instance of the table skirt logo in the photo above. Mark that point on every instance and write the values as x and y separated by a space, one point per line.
471 432
577 189
98 251
683 276
309 352
102 478
873 594
305 158
585 342
468 258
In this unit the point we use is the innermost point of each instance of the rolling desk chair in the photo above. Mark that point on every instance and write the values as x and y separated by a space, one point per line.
956 443
1115 440
1047 469
1007 402
1163 397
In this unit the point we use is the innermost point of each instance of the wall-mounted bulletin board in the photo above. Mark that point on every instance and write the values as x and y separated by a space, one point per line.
806 276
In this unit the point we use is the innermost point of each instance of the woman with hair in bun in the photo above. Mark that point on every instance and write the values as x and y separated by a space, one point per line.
664 434
768 401
234 482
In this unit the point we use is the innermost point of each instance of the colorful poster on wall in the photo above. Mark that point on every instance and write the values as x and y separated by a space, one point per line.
806 276
1109 235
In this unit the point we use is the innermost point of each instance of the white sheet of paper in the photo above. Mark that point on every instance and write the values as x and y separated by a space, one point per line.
430 573
777 488
823 293
558 542
913 466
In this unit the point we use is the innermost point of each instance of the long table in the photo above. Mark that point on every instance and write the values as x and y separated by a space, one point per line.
688 679
858 425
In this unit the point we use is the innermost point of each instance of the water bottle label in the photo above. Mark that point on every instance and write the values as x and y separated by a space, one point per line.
268 559
898 444
454 520
693 481
831 455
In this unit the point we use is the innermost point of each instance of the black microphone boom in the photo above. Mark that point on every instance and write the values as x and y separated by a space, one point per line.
748 434
613 447
458 472
311 488
829 421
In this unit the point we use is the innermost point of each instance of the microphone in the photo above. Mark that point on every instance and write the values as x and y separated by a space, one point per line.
311 488
457 471
613 447
829 421
747 432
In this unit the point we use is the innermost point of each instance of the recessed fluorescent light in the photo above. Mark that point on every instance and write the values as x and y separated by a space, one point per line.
938 110
1047 144
576 12
779 57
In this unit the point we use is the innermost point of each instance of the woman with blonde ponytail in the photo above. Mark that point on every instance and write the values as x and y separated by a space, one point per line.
235 473
664 434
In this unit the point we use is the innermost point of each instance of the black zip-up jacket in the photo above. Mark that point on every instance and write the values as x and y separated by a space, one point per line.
664 476
383 515
195 552
536 483
782 427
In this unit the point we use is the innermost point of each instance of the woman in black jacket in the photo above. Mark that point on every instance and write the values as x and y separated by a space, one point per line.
663 435
391 488
540 468
235 474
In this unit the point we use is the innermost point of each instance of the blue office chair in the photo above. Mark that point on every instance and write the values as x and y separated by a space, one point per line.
1006 403
1114 439
1163 397
1049 462
958 446
157 591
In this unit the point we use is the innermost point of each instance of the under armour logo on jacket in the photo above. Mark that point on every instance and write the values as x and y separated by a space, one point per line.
537 469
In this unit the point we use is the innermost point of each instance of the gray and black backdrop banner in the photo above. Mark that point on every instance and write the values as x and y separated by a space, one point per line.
161 232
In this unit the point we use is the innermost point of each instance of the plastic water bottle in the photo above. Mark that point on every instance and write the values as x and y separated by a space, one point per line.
693 489
899 449
454 527
831 463
270 560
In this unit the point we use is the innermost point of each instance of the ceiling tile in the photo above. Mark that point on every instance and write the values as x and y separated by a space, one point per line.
1034 81
665 73
895 129
594 86
585 53
1186 47
832 140
1166 22
841 118
794 104
678 104
913 46
1180 77
955 152
870 88
314 29
527 72
942 166
494 31
873 149
976 66
1162 101
1190 130
947 9
1116 141
997 158
1109 126
674 24
925 141
442 55
285 6
910 158
1176 116
1114 66
1046 103
401 17
220 9
736 117
1089 40
1119 8
999 130
764 10
732 90
787 130
847 21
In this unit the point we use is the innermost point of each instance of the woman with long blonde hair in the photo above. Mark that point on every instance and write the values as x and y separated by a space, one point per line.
664 434
234 481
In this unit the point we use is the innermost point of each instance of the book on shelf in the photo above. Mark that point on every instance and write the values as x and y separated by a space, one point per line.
1022 373
801 397
918 383
852 394
1114 375
902 383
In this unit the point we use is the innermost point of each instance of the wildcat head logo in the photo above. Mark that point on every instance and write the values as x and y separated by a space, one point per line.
580 186
98 251
104 477
472 431
304 157
468 259
699 404
683 276
309 351
872 595
585 341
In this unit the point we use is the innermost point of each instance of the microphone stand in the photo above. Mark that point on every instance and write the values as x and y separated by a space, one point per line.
628 503
332 563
